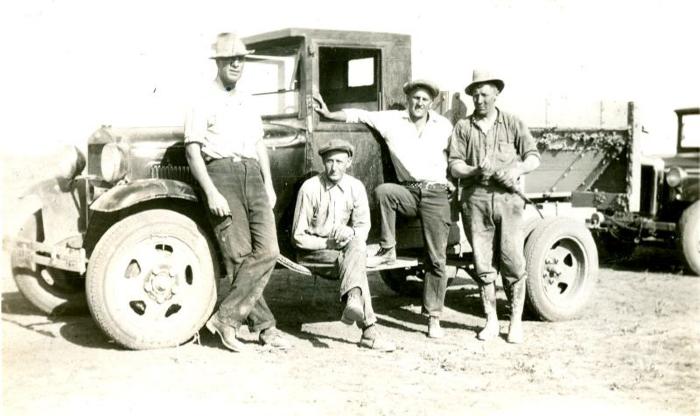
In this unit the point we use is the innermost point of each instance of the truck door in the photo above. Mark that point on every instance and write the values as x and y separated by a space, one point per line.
351 78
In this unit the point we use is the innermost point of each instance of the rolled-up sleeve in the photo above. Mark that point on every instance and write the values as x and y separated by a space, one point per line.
303 212
457 147
524 141
195 126
378 120
360 218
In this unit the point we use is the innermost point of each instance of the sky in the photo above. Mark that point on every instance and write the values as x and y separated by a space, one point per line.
72 66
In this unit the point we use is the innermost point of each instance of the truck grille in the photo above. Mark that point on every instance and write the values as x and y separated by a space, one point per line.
175 172
649 190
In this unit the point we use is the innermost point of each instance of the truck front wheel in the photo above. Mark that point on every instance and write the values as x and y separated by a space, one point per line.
689 236
151 280
562 268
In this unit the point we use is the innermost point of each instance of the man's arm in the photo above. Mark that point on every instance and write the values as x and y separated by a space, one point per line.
216 202
322 109
264 160
301 237
360 217
457 156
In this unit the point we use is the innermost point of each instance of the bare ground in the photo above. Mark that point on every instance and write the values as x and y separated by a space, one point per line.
635 351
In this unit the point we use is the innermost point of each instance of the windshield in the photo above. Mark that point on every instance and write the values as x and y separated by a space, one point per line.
690 133
272 78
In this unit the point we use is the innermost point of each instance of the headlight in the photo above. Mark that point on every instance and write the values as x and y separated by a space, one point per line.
675 177
112 163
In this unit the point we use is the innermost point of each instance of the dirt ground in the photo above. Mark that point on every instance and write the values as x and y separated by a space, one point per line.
635 351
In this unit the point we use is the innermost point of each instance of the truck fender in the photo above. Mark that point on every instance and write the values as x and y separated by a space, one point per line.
132 193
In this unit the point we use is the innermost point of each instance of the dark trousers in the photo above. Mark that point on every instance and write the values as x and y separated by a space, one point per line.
493 224
350 263
248 241
433 209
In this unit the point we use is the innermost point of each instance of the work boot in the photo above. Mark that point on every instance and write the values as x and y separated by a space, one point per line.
383 256
434 329
372 340
226 332
274 338
354 307
488 300
517 301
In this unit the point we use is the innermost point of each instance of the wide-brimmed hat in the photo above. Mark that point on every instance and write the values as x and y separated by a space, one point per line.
481 76
228 45
430 86
337 144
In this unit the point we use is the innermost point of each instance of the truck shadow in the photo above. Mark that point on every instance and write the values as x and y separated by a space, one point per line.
655 259
75 327
297 301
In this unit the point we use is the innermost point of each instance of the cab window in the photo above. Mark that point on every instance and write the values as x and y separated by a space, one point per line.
690 133
273 78
349 77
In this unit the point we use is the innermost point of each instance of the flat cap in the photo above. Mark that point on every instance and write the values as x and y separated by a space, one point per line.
430 86
337 144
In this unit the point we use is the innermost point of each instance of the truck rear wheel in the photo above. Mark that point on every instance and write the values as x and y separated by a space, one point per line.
151 280
405 282
562 268
52 291
689 237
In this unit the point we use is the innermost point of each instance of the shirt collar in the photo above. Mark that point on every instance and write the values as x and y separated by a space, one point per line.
220 87
328 185
499 117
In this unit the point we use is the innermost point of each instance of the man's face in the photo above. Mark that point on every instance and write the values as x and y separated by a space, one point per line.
335 163
419 102
230 69
484 97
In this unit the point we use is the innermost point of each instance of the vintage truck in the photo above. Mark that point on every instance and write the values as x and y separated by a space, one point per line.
665 208
124 228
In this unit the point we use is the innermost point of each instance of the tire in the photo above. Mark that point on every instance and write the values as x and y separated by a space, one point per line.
564 246
151 280
405 282
52 291
689 237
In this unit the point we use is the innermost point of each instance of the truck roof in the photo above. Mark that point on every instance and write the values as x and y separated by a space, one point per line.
689 110
327 34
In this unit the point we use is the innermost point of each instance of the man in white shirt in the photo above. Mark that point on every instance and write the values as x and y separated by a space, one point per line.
417 139
228 158
331 223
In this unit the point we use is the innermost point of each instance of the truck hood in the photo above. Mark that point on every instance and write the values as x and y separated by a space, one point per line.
687 161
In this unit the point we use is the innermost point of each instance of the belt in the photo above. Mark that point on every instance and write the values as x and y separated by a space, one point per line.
425 185
209 159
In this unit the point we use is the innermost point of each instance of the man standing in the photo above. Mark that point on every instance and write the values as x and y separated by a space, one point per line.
489 151
227 157
331 224
417 141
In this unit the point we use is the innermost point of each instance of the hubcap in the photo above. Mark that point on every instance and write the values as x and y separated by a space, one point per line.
156 282
564 270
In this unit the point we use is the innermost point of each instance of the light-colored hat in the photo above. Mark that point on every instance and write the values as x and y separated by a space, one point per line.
337 144
432 88
228 45
481 76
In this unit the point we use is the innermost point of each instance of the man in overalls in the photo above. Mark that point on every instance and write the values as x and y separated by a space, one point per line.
489 151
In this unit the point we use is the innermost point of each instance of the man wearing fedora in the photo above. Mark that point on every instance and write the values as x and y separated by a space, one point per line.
227 157
331 224
417 139
489 151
